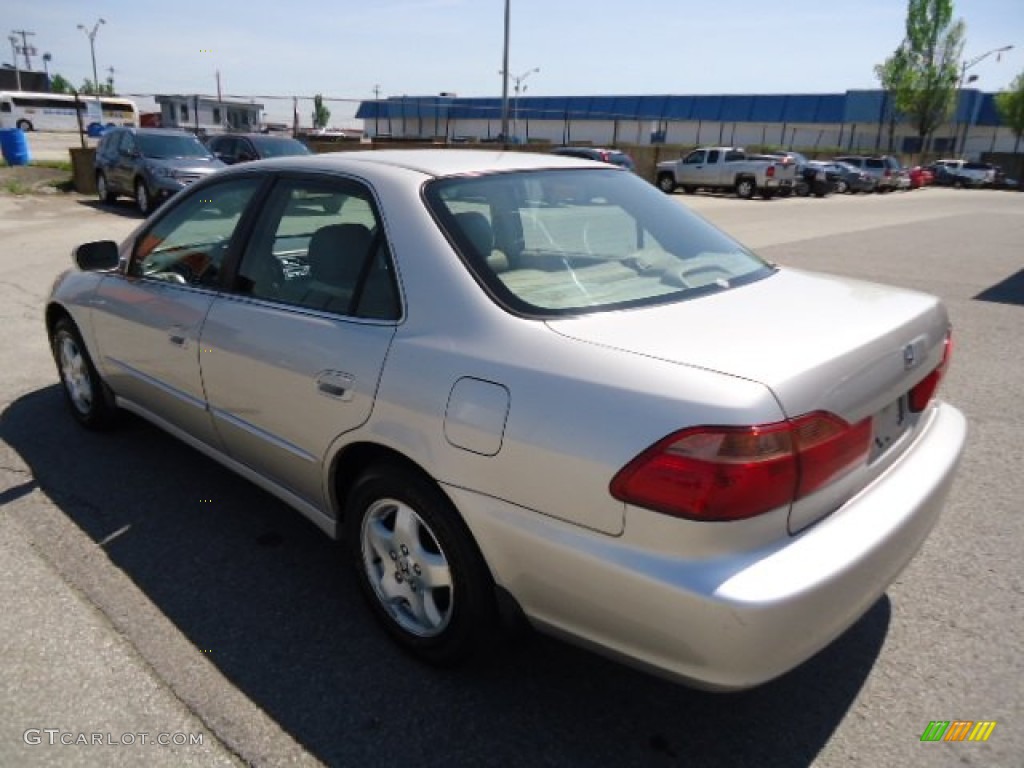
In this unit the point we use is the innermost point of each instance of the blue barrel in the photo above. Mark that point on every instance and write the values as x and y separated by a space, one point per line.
14 146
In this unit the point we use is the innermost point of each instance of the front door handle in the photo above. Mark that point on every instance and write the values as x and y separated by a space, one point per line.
178 336
335 384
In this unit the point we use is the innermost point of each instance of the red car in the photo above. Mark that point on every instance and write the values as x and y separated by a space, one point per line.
920 177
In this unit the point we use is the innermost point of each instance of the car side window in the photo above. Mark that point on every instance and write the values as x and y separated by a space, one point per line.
227 147
732 157
127 145
713 156
694 158
188 245
319 245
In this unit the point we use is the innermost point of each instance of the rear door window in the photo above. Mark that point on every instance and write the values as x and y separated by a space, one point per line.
320 246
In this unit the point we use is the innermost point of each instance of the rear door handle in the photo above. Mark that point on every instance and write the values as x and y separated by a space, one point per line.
335 384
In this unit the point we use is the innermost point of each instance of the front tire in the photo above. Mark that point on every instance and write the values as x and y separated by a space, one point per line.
25 126
666 183
842 187
418 565
102 190
84 390
142 198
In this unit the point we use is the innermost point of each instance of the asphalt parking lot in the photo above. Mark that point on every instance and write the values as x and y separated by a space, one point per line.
146 589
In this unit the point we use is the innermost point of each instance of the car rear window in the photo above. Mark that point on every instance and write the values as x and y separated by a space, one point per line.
566 242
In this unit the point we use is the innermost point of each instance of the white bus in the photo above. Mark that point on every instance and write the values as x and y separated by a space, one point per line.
56 111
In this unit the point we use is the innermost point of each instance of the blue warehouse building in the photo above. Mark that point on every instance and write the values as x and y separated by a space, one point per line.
851 121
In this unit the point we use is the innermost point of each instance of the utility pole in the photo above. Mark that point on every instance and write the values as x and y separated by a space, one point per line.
14 58
26 49
376 110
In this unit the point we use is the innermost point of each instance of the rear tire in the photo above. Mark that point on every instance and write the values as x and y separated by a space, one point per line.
745 188
842 187
418 565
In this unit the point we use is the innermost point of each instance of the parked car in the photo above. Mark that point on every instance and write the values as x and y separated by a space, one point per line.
149 164
851 179
884 169
726 169
968 174
816 178
492 397
920 177
231 148
602 155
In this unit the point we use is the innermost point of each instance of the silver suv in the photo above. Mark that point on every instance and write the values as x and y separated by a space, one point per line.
966 174
886 169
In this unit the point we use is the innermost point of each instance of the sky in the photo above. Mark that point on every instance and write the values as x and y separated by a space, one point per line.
343 49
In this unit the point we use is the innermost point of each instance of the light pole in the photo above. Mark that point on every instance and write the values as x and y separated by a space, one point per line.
92 49
504 79
47 58
519 88
968 64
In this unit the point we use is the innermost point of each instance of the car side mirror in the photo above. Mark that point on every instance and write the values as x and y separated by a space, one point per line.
97 256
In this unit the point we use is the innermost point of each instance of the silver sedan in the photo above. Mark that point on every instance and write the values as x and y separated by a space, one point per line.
533 386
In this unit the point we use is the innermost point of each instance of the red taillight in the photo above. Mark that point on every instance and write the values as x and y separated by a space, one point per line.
732 473
770 171
605 156
924 390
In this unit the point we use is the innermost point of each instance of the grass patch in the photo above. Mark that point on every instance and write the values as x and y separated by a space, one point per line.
16 187
59 165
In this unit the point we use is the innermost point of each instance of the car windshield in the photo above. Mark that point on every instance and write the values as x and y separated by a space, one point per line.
569 242
281 147
169 145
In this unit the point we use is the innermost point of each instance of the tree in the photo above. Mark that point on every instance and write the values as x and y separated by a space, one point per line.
1011 108
321 114
91 89
894 75
61 85
926 65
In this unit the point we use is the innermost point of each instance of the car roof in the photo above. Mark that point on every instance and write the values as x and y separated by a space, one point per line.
431 162
157 131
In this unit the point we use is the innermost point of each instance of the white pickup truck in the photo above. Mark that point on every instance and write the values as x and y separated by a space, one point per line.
725 168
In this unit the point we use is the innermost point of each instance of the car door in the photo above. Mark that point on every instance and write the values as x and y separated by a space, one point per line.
147 318
123 163
292 355
692 169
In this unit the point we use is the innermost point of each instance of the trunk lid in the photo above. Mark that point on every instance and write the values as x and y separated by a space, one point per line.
818 342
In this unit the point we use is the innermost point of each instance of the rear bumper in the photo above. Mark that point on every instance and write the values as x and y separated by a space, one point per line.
728 621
